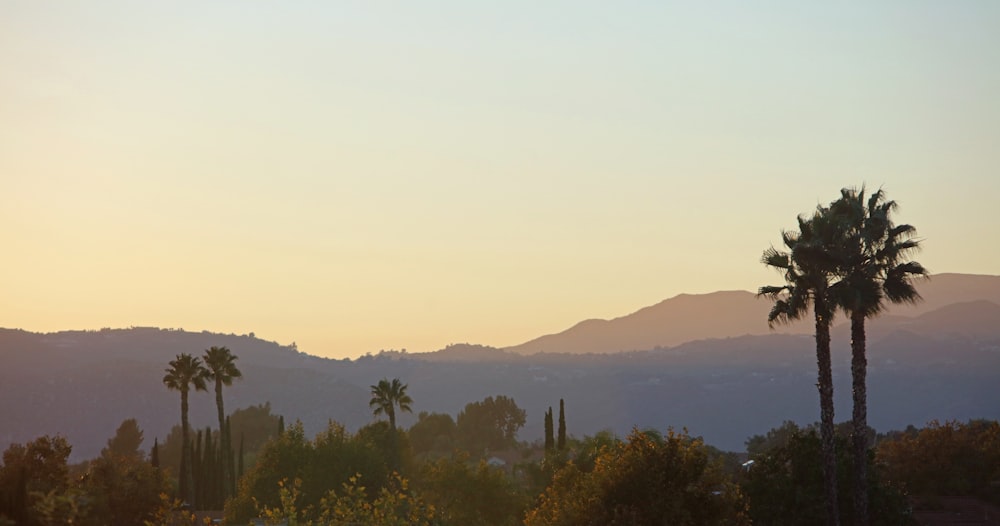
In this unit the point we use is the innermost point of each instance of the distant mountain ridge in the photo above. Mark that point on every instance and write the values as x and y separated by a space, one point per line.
935 361
689 317
680 319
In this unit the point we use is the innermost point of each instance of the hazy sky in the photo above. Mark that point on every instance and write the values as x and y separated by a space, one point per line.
357 176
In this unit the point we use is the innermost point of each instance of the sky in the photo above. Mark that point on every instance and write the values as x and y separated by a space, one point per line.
359 176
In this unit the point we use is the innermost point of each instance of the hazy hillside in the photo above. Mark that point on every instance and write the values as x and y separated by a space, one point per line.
679 319
941 364
83 384
690 317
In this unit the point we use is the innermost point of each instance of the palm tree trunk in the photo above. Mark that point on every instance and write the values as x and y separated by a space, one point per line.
223 438
186 480
825 386
859 436
393 446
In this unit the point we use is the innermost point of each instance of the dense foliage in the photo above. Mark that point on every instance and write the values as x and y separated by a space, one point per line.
29 473
468 493
491 424
433 434
643 481
948 458
785 486
328 461
648 478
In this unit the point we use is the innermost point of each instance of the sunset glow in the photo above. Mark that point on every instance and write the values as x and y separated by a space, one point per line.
362 177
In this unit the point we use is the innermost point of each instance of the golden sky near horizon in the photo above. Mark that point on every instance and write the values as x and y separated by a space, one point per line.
357 176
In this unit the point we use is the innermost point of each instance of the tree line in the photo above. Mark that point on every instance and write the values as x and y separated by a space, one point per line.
379 475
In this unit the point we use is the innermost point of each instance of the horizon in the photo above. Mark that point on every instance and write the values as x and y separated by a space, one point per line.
838 320
359 178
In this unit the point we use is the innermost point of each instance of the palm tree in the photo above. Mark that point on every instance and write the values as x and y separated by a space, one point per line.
874 267
184 372
221 364
807 269
386 396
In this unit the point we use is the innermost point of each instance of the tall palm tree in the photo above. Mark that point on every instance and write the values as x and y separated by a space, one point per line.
221 364
874 266
808 270
386 396
185 372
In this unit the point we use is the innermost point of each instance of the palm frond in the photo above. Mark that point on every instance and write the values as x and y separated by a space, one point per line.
771 291
775 258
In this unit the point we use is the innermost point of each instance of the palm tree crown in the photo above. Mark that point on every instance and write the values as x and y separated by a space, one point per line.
806 267
386 396
874 262
221 365
185 371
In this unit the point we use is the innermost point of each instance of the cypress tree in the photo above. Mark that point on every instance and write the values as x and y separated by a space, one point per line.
210 470
549 439
240 458
185 468
281 425
231 471
562 426
196 472
154 455
231 483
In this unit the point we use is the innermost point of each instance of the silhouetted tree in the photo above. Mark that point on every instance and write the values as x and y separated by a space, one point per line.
386 396
256 423
127 440
432 433
197 476
561 443
490 424
221 365
873 265
550 442
184 373
119 486
775 438
808 270
30 471
240 459
230 461
154 455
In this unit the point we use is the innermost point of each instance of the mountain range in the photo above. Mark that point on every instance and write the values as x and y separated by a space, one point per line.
708 362
689 317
